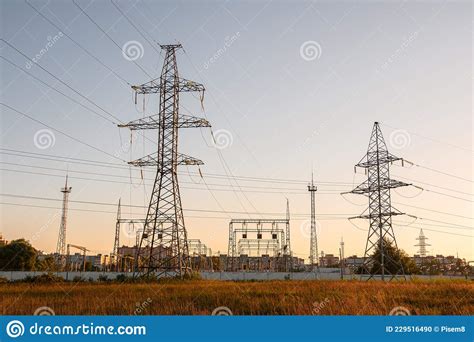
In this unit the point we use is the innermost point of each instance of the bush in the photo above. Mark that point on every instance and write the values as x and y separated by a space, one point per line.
103 278
78 279
46 278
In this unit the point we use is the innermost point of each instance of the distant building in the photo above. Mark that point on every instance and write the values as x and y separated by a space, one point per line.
328 260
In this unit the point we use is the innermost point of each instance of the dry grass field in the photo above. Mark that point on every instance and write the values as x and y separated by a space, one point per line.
199 297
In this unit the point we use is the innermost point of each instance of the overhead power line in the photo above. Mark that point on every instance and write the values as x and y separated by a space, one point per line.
142 207
79 44
60 132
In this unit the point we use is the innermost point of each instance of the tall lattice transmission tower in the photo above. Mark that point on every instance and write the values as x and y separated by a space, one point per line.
163 248
61 246
422 244
377 161
313 250
117 236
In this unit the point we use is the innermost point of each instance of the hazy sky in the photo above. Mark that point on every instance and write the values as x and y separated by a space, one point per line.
291 86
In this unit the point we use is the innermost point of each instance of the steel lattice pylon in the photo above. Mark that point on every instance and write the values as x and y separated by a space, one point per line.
422 243
117 237
163 248
61 245
380 211
313 251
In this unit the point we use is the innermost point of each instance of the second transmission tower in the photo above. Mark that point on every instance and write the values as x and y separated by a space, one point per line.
378 261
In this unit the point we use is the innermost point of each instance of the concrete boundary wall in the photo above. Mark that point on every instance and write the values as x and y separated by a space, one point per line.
229 276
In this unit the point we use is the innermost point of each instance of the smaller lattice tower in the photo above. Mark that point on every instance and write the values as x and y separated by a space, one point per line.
61 246
313 251
422 244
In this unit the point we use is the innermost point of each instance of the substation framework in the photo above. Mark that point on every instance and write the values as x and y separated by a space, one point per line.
377 188
118 260
163 249
270 237
201 255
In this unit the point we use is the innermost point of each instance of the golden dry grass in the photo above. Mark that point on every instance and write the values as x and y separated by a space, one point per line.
199 297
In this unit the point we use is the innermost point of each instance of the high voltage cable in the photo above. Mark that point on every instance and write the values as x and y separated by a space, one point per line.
188 188
56 90
61 132
433 185
216 176
435 211
65 84
78 44
135 27
438 231
210 175
141 207
108 36
151 179
432 139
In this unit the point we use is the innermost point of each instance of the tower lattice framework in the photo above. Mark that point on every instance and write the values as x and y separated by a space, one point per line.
61 245
163 248
422 244
377 188
313 251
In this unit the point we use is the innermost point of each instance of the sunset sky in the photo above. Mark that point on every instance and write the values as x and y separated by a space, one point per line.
291 87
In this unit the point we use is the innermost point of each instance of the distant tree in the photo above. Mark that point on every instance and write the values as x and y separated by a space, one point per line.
47 264
18 255
393 258
89 266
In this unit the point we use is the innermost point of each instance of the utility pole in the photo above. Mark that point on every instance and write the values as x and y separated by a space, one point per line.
377 188
117 238
313 250
341 258
61 245
289 258
163 248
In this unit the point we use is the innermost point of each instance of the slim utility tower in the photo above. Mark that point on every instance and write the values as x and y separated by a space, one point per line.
313 250
117 237
377 188
287 249
163 246
422 244
341 258
61 246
